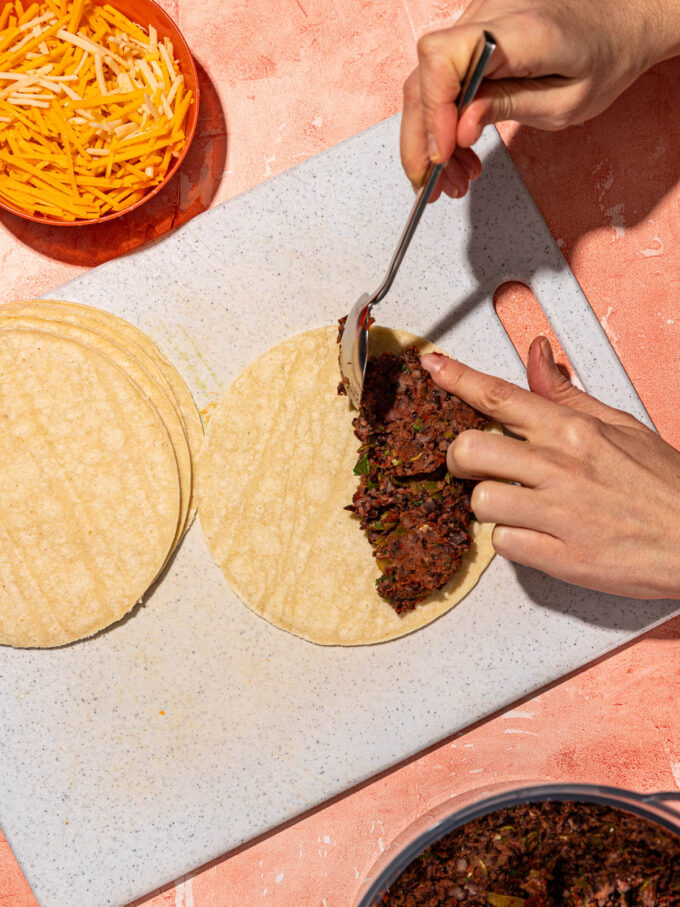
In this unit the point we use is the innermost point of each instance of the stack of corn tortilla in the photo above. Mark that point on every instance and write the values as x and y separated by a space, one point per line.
98 440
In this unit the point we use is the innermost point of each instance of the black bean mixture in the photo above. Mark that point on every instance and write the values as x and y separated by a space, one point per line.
416 516
546 855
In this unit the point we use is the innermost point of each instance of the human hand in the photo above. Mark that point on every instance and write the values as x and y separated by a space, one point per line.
557 63
598 495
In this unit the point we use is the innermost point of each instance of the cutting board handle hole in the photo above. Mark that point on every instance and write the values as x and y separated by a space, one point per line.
523 318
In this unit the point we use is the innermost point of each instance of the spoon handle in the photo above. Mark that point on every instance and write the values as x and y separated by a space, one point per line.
471 82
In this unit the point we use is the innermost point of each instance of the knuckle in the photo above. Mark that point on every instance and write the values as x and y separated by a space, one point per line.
536 34
627 420
501 539
502 104
571 108
581 92
496 395
564 392
579 445
559 119
464 448
545 31
579 432
428 46
480 500
411 90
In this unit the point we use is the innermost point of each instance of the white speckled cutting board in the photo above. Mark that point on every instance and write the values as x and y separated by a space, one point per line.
192 726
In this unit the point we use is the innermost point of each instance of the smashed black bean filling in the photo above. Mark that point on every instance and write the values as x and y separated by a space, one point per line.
546 855
416 516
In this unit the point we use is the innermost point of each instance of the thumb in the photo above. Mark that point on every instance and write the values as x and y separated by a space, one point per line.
549 381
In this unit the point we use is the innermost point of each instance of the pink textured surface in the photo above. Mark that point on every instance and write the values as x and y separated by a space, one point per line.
281 81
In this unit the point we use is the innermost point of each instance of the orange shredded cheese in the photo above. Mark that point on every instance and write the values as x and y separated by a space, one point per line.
93 109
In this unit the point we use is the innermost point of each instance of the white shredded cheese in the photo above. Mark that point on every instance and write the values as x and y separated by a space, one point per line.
37 20
99 73
179 80
151 107
167 59
27 102
148 76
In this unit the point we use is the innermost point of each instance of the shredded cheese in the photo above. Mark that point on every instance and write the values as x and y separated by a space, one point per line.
92 109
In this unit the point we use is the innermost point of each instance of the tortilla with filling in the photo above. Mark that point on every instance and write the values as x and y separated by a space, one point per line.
274 477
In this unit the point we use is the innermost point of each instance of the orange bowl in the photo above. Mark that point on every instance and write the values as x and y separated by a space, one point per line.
143 13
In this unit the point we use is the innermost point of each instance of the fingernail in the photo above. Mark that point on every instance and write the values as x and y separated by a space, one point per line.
454 192
473 171
546 349
469 172
433 362
432 148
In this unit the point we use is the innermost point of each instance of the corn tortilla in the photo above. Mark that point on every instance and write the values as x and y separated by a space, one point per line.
89 490
151 389
274 477
137 344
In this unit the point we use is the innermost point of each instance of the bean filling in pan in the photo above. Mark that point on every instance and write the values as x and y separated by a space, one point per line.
546 855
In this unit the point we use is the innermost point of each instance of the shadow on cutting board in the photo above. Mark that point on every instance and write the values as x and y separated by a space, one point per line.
595 608
188 193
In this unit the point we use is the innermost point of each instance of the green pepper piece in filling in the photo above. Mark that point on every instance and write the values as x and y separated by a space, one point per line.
362 468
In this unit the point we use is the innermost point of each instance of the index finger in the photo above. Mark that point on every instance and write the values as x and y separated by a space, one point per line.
524 413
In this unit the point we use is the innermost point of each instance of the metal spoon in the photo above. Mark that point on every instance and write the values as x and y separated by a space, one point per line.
353 353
